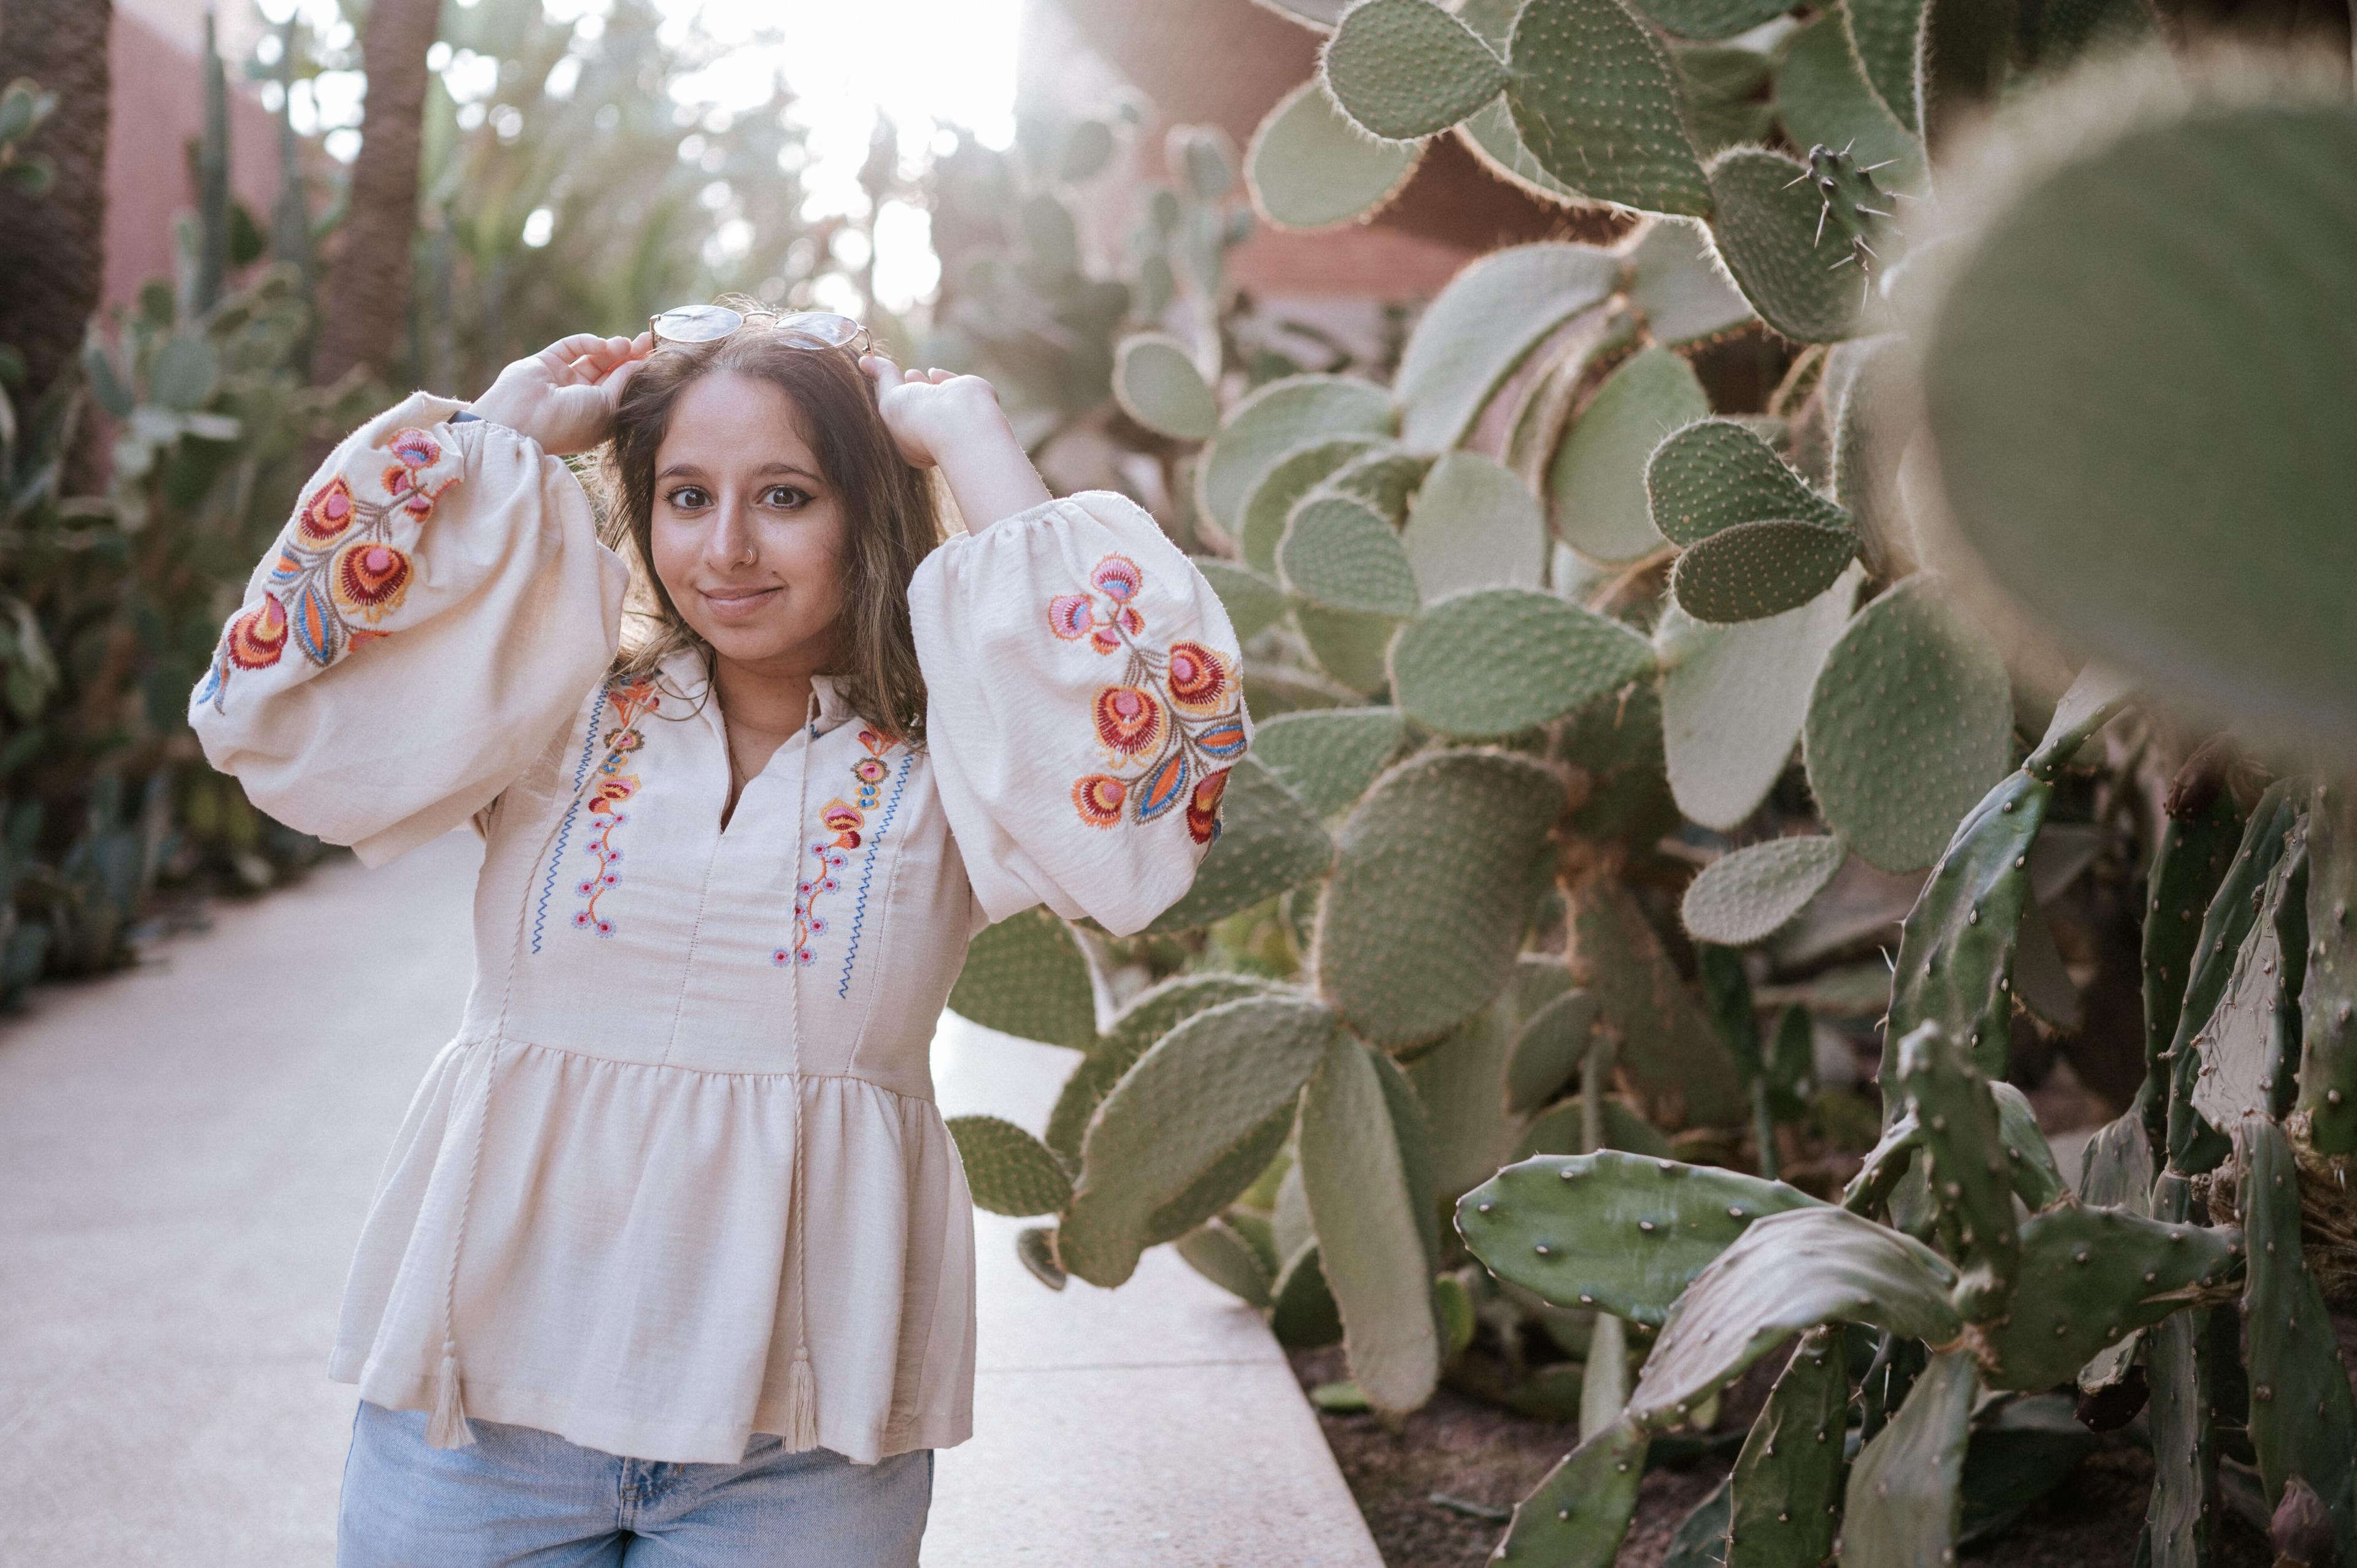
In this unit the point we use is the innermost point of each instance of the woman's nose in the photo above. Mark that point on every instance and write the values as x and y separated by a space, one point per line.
730 543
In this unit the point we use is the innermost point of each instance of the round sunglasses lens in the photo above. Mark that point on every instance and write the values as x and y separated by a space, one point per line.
819 329
696 323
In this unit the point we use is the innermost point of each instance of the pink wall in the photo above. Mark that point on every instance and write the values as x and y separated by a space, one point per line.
157 107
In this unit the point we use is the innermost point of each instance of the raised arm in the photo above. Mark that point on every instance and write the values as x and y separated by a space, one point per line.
428 621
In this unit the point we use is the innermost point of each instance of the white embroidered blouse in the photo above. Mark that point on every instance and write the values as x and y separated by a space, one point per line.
680 1177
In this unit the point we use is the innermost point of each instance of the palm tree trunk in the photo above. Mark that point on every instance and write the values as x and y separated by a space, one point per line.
365 306
52 256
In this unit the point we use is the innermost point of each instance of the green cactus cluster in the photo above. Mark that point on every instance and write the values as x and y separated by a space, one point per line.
1639 750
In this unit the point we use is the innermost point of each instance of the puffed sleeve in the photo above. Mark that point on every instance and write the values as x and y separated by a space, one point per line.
1082 709
435 610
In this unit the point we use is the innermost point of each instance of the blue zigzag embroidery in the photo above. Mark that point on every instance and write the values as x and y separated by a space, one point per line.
868 872
565 829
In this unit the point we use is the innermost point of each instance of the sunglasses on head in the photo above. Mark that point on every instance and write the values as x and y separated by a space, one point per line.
690 324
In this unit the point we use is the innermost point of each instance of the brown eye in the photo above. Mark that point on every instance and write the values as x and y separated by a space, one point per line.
786 496
688 498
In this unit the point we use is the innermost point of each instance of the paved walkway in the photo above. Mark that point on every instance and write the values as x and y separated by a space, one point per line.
187 1153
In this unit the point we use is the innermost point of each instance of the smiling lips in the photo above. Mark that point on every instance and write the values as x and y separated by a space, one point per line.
738 604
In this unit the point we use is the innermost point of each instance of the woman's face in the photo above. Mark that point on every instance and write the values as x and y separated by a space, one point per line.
747 534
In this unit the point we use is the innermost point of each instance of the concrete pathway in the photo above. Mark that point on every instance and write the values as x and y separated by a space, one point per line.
187 1153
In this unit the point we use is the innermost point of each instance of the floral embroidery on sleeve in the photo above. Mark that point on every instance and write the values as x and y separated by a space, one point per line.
612 787
1165 725
339 565
846 824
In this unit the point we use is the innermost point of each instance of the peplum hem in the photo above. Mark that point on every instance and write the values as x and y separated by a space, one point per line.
625 1273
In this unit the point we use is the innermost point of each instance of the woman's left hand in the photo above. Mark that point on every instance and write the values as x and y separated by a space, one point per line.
931 413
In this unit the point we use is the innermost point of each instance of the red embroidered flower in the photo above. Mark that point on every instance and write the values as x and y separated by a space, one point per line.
843 820
371 577
1118 578
1203 810
1069 616
416 448
1099 797
1128 719
327 514
869 770
258 637
613 792
1199 677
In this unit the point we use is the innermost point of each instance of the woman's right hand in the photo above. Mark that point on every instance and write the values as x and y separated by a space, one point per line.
564 397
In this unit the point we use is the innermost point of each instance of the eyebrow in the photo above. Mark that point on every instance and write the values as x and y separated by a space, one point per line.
695 471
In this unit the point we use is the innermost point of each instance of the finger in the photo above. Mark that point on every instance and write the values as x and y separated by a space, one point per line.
610 387
912 376
560 354
882 368
939 376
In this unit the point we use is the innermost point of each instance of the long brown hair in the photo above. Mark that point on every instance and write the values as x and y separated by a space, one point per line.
892 520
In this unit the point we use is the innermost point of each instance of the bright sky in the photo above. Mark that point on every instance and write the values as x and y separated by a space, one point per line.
927 64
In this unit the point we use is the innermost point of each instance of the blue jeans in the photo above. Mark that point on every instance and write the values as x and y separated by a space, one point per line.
520 1497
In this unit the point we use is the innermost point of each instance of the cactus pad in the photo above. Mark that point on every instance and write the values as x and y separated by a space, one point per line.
1867 436
1562 1129
1791 1271
2328 1069
1906 1494
1596 98
1007 1170
1755 570
1290 478
2238 1071
1483 325
1716 475
1667 1048
1595 484
2037 1179
2090 1277
1745 896
1329 759
1474 525
1501 659
1309 167
1369 1207
1765 226
1971 1179
1223 1181
1268 842
2121 530
1436 874
1384 477
1339 553
1617 1233
1733 698
1577 1516
2303 1422
1548 1049
1254 602
1350 645
1027 976
1219 1252
1152 1015
1458 1083
1822 98
1887 37
1405 68
1204 1089
1157 385
1787 1482
1893 791
1676 280
1276 419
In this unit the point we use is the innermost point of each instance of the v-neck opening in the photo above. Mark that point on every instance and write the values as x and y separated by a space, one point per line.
733 811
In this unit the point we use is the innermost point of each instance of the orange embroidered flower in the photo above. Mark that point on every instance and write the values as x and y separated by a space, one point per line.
1069 616
624 740
1118 578
327 514
1199 677
371 578
1203 810
258 637
843 820
1128 719
1099 797
612 791
416 448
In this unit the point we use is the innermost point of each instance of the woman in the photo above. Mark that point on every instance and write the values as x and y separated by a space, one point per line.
672 1262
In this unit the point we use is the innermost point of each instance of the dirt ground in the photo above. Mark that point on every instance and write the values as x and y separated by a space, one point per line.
1461 1448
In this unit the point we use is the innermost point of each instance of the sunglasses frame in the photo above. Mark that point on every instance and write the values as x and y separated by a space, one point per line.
860 341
